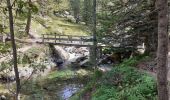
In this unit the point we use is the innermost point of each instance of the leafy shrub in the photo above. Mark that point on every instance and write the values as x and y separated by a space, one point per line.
123 82
4 48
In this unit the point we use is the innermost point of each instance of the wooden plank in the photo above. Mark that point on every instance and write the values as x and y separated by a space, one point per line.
66 39
70 44
67 35
70 39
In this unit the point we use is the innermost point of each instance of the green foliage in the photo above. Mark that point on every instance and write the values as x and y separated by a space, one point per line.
98 74
87 11
134 60
23 59
123 82
109 50
126 22
1 28
61 74
24 7
4 48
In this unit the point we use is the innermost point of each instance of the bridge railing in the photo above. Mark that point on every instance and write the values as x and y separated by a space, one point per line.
55 38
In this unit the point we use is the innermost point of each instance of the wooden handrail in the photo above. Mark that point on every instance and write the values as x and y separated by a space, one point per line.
65 35
57 38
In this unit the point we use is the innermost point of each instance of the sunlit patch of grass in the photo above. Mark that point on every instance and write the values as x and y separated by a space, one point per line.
3 89
67 74
123 82
69 28
83 72
37 28
61 74
58 25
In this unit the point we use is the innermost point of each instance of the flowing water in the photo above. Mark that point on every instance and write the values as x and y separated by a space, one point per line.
54 90
58 92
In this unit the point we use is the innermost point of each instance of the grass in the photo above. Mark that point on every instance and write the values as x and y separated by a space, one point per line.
58 25
65 74
123 82
68 74
2 89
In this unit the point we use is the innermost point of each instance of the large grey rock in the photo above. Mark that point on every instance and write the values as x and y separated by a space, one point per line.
62 54
3 97
71 18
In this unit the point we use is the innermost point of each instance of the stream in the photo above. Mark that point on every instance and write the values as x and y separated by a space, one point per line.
61 91
63 60
55 90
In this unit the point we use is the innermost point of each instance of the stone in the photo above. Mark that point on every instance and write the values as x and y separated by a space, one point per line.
71 18
66 12
61 53
3 97
83 23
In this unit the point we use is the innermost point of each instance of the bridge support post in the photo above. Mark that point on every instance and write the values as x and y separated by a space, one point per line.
43 38
99 50
91 54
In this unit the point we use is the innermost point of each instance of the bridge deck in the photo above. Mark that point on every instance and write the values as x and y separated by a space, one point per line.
68 40
71 40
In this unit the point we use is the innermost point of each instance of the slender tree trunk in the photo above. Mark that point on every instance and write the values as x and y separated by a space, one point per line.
162 53
14 49
27 28
94 35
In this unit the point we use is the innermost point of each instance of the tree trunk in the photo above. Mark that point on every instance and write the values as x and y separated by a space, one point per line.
27 29
162 53
94 35
14 49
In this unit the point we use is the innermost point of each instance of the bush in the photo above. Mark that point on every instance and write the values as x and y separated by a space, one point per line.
4 48
123 82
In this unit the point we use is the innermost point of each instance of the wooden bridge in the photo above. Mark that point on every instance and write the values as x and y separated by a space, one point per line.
67 40
72 40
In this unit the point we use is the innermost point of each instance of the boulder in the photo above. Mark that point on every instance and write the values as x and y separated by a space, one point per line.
85 63
81 59
61 53
71 19
66 13
3 97
83 23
